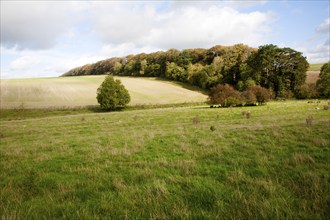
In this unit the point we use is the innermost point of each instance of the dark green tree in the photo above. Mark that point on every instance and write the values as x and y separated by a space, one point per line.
281 69
323 84
112 94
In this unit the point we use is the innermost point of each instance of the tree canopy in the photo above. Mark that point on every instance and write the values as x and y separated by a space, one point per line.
282 70
323 84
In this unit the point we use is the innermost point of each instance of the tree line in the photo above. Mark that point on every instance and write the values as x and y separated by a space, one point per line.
281 70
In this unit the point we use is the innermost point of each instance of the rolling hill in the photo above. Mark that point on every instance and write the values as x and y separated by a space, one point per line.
81 91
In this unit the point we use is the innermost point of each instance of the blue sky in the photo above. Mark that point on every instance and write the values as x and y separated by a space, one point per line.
48 38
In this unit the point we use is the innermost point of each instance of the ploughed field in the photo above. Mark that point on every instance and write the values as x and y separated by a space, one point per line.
68 92
266 162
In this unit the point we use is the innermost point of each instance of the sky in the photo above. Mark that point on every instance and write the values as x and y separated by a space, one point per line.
48 38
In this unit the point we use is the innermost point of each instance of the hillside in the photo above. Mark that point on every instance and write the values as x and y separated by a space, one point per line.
81 91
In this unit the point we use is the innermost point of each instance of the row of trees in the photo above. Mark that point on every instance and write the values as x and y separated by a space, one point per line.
281 70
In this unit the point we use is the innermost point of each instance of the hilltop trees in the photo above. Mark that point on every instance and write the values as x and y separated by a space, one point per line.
112 94
282 70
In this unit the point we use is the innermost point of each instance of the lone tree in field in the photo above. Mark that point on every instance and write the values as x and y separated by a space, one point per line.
112 94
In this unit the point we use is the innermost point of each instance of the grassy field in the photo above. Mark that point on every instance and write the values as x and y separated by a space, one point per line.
175 163
64 92
315 67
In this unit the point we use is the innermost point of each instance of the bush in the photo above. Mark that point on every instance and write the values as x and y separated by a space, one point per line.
262 95
306 91
249 97
112 94
225 95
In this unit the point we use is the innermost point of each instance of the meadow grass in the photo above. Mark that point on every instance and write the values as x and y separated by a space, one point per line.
315 67
175 163
74 92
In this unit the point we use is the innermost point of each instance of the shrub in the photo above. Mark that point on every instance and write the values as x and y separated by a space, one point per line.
249 97
262 95
306 91
112 94
225 95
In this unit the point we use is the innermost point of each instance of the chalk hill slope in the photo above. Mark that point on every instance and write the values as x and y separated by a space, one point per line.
81 91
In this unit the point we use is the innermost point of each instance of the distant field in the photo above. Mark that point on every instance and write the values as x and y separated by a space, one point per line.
81 91
313 73
174 163
312 76
315 67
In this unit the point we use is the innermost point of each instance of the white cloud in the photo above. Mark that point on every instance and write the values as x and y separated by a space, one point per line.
124 49
319 54
192 27
180 28
40 38
64 65
24 63
33 24
50 37
324 27
319 49
206 4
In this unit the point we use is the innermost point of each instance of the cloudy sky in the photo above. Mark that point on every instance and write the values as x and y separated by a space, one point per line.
47 38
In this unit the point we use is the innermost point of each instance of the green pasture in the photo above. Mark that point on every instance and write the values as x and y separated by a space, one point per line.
176 163
315 67
72 92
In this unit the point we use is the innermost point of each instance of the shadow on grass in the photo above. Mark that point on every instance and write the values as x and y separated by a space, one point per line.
184 85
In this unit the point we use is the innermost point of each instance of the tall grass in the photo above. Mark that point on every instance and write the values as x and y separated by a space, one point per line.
159 164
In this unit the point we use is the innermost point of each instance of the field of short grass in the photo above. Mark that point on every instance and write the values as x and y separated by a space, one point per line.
72 92
315 67
175 163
